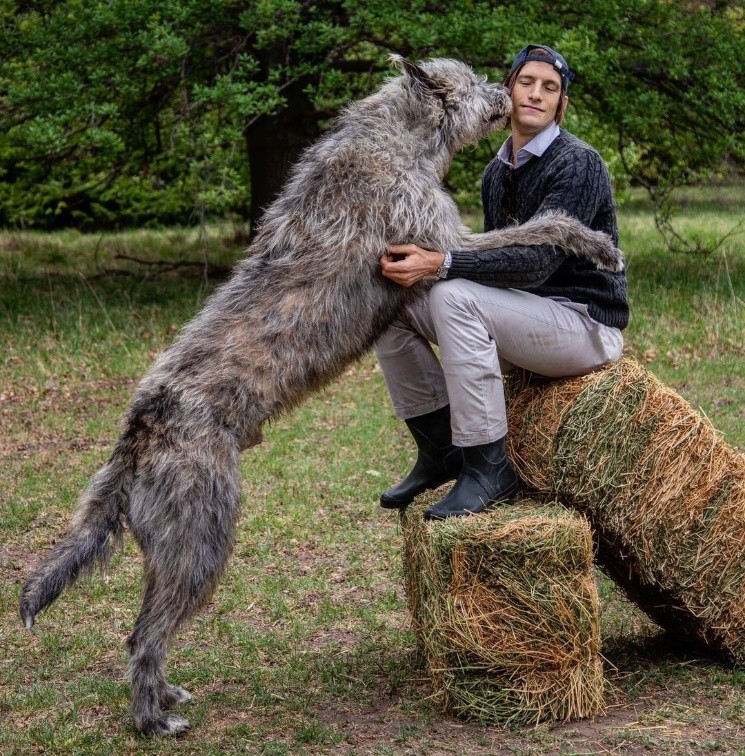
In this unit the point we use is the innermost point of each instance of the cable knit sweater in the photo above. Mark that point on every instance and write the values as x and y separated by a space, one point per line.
569 176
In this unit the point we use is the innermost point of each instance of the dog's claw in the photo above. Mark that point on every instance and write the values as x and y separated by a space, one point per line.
175 725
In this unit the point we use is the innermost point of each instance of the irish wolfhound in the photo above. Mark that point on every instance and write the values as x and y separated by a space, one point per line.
307 300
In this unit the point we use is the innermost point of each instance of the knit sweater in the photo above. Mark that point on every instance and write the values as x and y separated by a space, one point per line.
569 176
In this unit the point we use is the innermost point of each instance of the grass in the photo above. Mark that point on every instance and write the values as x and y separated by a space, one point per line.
306 646
688 321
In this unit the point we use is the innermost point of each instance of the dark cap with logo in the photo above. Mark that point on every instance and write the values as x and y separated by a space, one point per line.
544 54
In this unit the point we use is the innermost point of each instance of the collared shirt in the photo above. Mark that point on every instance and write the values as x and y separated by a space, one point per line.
535 147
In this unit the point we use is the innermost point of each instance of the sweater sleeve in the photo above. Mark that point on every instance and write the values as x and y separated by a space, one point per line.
577 186
508 267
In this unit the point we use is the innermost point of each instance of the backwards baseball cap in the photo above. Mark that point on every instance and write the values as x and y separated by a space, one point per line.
544 54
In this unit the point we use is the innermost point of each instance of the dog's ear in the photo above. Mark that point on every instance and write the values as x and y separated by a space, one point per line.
412 70
419 77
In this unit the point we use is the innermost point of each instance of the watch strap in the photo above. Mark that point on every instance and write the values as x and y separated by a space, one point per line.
444 269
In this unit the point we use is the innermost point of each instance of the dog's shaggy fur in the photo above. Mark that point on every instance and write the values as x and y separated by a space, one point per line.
307 300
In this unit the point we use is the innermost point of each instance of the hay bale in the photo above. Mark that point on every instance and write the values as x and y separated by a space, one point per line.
505 612
663 492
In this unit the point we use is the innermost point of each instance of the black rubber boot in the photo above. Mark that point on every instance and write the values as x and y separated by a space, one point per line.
437 462
487 478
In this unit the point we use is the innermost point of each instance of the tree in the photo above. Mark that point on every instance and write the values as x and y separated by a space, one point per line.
663 86
135 111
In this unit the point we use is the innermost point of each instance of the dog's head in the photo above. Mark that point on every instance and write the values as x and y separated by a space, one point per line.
462 105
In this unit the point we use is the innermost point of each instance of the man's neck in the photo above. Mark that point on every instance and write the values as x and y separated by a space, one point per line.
519 140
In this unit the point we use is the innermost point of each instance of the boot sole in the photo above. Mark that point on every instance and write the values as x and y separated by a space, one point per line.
401 504
504 498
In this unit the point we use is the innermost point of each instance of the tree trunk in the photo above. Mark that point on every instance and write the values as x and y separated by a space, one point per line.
274 144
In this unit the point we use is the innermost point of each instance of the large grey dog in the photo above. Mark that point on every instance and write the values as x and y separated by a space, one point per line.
307 300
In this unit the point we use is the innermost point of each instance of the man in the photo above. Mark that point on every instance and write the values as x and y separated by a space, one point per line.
531 307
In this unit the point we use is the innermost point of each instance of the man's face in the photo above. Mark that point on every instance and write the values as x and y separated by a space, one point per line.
536 96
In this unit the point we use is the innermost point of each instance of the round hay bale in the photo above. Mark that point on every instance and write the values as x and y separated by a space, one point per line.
506 613
665 495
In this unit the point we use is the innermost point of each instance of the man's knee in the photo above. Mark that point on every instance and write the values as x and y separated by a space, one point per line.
448 294
457 294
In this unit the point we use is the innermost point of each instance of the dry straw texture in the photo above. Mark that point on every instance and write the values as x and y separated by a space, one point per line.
664 494
505 611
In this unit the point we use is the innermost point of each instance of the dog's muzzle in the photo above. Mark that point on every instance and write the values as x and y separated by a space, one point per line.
502 103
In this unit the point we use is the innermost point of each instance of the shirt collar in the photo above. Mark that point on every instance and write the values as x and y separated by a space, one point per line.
535 147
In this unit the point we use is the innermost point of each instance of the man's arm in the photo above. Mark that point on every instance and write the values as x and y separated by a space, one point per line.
525 256
521 258
577 190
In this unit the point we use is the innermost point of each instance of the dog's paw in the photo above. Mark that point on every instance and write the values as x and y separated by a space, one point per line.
174 694
605 255
170 724
615 262
612 260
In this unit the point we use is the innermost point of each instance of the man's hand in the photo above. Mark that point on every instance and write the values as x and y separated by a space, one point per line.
405 264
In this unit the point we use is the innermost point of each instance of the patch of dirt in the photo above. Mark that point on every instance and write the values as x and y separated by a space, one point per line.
338 640
629 728
23 410
15 562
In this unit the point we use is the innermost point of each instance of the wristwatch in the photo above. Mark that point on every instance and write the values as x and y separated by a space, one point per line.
442 271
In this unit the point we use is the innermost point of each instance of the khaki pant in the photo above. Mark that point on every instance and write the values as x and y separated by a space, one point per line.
483 332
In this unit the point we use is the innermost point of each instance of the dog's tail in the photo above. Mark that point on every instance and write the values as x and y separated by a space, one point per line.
97 526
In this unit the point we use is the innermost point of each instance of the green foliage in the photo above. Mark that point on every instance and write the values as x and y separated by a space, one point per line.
126 113
663 80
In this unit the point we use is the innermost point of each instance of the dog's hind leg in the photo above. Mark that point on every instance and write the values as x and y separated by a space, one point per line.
187 534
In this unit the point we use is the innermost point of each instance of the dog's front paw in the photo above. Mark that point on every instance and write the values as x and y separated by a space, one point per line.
606 255
612 261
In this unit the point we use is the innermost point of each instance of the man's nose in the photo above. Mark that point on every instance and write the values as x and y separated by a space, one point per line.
535 92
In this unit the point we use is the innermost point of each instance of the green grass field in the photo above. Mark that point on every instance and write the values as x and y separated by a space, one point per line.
306 646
